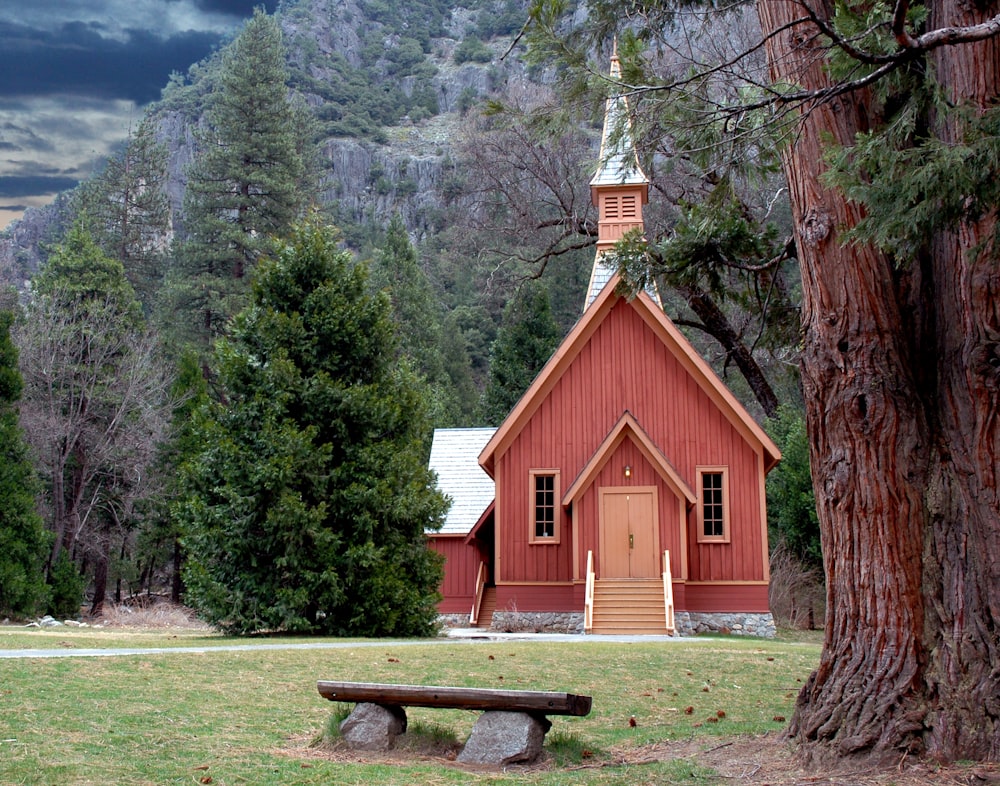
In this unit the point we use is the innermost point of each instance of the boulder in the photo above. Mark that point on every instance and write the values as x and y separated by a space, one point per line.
501 738
373 727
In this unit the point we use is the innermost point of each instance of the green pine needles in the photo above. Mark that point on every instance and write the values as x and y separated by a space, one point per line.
306 507
23 542
914 184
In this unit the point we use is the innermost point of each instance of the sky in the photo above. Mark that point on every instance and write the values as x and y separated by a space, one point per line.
75 74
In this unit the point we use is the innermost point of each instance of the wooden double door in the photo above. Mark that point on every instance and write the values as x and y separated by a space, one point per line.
629 534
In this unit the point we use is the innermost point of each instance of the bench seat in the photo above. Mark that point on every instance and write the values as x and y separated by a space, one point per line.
534 702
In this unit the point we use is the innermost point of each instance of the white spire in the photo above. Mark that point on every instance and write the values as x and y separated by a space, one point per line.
619 187
618 163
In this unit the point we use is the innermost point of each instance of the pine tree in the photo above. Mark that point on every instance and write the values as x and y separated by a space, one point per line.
305 510
248 184
791 502
127 210
397 272
161 543
527 338
23 544
93 402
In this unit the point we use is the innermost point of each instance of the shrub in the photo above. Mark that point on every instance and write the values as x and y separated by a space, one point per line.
66 587
472 50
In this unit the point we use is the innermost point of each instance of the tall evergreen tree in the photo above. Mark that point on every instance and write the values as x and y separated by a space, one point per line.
23 545
396 271
127 209
93 402
161 544
791 502
248 184
526 340
306 508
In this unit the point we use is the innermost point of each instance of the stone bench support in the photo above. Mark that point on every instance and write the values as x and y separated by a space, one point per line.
511 729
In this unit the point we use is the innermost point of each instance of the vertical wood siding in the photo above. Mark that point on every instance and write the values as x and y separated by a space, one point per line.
625 366
750 598
669 521
461 562
535 597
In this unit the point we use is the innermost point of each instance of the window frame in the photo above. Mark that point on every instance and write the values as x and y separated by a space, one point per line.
533 536
723 472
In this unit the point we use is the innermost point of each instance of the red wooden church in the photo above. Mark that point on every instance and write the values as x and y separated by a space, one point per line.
625 490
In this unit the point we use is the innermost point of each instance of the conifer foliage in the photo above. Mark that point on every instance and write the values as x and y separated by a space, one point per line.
527 338
397 272
128 211
23 546
95 391
249 183
306 508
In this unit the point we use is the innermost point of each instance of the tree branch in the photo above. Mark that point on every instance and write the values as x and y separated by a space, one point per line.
899 31
910 49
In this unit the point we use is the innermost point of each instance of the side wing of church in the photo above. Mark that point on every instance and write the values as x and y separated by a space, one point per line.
628 480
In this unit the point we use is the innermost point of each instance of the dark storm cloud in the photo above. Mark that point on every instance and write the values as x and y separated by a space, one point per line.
76 74
240 8
31 185
76 59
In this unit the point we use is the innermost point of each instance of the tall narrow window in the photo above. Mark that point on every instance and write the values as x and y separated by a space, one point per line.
713 504
544 514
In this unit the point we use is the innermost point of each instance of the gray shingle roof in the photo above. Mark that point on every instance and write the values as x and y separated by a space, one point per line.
600 275
455 459
618 163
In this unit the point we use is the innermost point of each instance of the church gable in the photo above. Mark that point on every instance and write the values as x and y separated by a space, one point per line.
630 434
618 360
620 357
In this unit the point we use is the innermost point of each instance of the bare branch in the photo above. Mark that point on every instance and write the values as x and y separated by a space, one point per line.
899 31
950 36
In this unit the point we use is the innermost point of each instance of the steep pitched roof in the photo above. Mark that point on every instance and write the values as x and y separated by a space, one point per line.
672 338
628 427
453 457
619 163
600 275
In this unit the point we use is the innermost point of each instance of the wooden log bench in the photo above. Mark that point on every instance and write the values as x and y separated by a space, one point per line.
511 729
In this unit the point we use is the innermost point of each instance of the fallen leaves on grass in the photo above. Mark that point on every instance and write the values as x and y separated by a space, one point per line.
752 760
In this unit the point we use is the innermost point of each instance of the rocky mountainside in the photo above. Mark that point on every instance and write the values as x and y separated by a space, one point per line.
388 87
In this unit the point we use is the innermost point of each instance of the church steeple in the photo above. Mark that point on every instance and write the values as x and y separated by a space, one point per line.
619 188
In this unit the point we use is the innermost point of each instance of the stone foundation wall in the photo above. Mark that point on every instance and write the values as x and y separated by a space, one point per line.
687 623
456 620
537 622
690 623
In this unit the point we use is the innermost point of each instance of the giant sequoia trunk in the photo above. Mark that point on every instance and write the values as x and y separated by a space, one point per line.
901 370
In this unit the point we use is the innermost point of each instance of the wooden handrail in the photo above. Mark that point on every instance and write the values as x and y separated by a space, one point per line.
668 593
477 601
588 601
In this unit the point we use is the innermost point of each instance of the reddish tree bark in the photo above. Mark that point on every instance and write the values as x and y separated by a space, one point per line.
900 370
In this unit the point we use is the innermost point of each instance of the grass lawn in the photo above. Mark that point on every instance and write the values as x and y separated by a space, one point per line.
255 717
